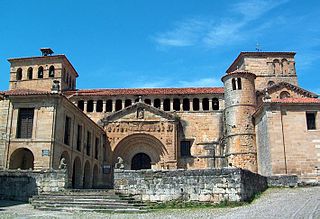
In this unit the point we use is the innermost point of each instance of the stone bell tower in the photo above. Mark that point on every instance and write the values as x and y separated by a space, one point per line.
240 104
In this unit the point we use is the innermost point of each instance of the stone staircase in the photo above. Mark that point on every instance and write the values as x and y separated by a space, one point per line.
87 200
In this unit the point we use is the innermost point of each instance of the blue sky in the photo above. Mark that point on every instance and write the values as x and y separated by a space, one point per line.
164 43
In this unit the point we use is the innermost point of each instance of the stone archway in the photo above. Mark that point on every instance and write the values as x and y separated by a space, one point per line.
140 161
87 176
134 144
22 158
76 174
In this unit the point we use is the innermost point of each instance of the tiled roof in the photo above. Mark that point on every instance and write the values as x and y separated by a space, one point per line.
296 100
24 92
147 91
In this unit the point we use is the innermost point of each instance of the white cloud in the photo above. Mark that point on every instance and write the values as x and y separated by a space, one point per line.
210 33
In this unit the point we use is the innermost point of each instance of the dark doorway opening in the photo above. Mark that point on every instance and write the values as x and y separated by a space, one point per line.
140 161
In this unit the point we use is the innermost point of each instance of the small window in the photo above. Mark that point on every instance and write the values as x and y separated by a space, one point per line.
195 104
127 103
176 104
51 71
90 106
186 104
40 72
88 143
109 106
19 74
67 129
147 101
99 106
311 120
233 84
185 148
215 104
79 138
118 105
270 83
81 104
284 94
30 73
239 83
157 103
166 105
96 152
205 104
25 123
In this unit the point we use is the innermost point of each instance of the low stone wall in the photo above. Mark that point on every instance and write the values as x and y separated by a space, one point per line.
20 185
214 185
283 181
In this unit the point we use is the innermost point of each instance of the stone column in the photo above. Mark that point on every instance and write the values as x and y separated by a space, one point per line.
123 104
210 104
171 104
94 106
191 105
113 105
200 105
104 109
161 103
85 103
181 104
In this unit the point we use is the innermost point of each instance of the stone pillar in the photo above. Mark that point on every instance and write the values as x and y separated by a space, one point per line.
171 104
210 104
85 103
191 105
104 109
181 105
161 104
123 104
200 105
113 105
94 106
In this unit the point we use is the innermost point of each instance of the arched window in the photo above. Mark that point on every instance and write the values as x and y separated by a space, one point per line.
30 73
147 101
285 66
19 74
81 104
166 105
176 104
205 104
276 66
284 94
215 104
233 84
109 106
90 106
99 106
157 103
195 104
270 83
40 72
239 83
186 104
118 105
51 71
127 103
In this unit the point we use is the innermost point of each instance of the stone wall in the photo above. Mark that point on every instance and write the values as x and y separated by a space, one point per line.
212 185
22 184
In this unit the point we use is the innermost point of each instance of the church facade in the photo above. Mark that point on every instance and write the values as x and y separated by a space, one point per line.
260 120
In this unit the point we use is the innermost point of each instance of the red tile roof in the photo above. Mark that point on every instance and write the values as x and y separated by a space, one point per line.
147 91
24 92
296 100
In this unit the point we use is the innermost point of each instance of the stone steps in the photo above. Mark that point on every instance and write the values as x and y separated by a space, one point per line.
87 200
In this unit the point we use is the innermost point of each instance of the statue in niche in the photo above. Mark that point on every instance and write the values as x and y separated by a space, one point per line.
140 113
63 164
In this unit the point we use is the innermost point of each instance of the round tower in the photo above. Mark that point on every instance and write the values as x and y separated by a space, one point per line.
239 133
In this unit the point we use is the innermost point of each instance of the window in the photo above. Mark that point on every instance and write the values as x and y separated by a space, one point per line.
99 106
90 106
166 105
118 105
185 148
270 83
109 106
186 104
195 104
239 83
147 101
25 123
81 104
233 84
67 129
215 104
311 120
176 104
19 74
205 104
79 138
51 71
127 103
157 103
30 73
284 94
40 72
236 84
96 154
88 143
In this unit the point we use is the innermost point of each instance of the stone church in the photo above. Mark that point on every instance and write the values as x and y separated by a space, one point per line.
260 120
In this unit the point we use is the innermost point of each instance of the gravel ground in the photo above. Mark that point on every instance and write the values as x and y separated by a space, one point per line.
274 203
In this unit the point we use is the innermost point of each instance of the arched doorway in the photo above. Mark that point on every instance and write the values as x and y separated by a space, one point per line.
76 174
21 158
95 177
140 161
87 176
